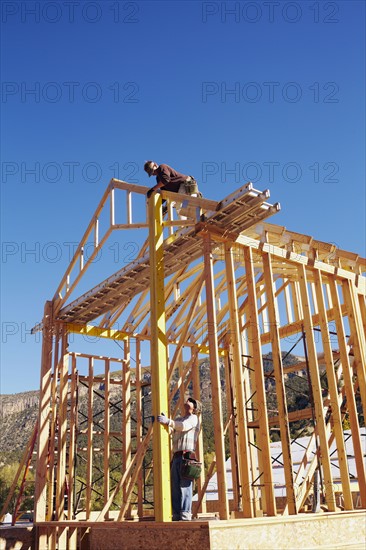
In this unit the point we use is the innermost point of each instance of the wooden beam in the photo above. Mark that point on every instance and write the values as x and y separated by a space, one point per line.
89 455
139 427
234 336
316 390
255 352
40 497
135 463
106 435
289 314
61 478
362 305
349 391
233 432
357 337
52 452
126 407
327 252
189 317
280 388
295 328
64 285
293 416
296 259
72 439
215 378
333 391
205 204
98 332
199 449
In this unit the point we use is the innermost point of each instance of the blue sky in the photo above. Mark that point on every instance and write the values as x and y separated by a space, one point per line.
269 92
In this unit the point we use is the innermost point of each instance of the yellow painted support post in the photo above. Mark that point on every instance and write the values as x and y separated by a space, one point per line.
238 380
158 352
215 379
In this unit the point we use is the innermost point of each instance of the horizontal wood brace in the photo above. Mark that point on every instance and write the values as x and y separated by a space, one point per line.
91 330
293 416
297 326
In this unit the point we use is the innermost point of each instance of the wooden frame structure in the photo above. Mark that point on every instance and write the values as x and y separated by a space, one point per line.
222 283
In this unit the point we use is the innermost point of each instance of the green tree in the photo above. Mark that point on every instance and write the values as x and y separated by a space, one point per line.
7 477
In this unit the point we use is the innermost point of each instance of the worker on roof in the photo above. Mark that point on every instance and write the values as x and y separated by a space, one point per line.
169 179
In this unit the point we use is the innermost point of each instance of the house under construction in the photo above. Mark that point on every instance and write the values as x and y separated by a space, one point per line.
215 282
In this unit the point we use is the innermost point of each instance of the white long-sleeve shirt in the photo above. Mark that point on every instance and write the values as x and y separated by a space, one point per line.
185 432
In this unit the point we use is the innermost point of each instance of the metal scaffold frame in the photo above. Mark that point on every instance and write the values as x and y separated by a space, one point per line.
223 284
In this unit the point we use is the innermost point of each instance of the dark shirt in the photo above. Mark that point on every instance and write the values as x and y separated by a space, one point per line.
170 178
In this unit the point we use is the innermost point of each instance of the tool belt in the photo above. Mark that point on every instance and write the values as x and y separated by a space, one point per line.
190 467
191 187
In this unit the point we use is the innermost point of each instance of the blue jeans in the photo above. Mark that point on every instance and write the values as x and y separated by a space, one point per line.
182 490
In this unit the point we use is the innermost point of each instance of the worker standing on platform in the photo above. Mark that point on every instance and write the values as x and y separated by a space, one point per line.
185 432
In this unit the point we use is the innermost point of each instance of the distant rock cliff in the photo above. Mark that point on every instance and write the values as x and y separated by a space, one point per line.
18 412
18 415
18 402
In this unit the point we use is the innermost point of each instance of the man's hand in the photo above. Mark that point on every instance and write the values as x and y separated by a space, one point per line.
150 192
163 419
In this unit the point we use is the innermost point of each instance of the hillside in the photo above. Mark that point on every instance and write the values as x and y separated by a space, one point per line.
19 411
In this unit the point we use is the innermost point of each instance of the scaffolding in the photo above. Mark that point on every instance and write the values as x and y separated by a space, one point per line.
222 284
